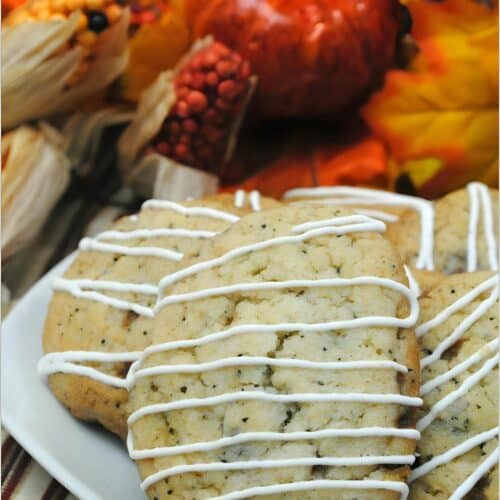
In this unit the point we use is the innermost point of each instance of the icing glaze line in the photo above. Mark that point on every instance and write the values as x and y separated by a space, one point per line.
319 484
65 362
351 397
196 211
114 286
72 287
260 286
469 483
480 201
265 361
246 437
255 200
270 464
88 245
464 325
456 306
453 453
478 356
378 214
154 233
469 382
239 198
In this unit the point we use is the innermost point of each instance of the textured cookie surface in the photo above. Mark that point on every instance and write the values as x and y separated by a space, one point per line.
294 306
79 323
459 388
451 246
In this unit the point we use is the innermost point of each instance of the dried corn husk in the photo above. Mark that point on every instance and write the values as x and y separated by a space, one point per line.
34 73
35 173
177 182
83 136
154 106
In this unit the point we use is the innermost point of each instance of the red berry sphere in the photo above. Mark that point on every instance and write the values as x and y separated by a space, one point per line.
313 58
211 89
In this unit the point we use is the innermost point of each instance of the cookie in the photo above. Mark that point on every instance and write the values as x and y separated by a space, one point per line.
284 363
458 336
463 235
100 318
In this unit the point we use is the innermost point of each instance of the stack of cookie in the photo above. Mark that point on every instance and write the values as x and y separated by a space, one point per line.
319 347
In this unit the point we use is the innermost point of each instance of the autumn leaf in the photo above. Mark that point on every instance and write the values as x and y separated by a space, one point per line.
305 160
439 118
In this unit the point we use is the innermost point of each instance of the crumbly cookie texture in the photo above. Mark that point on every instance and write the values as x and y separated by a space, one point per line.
451 224
79 324
343 256
472 413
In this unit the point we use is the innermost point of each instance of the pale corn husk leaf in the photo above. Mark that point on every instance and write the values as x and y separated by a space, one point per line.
178 182
33 78
152 110
35 174
83 136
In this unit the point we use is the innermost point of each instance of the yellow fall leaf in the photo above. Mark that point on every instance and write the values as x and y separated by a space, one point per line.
443 110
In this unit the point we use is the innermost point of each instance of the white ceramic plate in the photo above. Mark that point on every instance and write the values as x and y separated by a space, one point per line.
88 461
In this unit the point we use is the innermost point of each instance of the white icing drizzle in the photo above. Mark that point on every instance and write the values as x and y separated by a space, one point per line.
272 464
67 362
480 200
278 362
231 397
255 200
378 214
318 484
199 211
351 196
246 437
456 306
279 285
239 198
353 223
453 453
469 382
461 329
73 287
472 229
366 223
154 233
88 244
412 282
114 286
478 356
469 483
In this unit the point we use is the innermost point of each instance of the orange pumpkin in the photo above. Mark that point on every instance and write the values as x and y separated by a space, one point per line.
312 57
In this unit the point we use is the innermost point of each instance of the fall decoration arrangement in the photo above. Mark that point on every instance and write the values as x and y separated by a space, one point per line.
202 95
